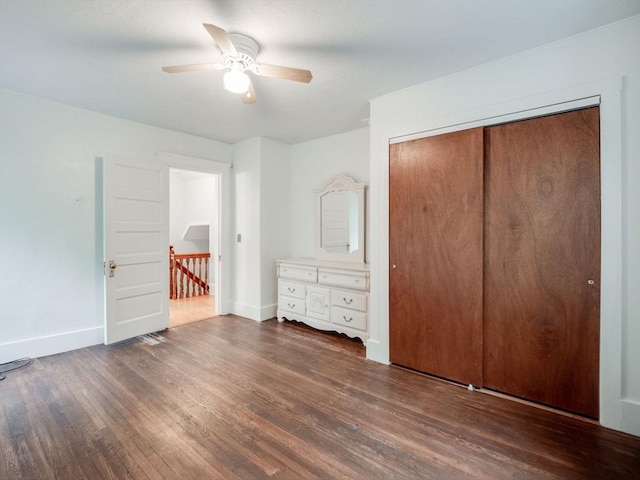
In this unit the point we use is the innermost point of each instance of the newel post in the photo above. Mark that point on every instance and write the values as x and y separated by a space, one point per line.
172 261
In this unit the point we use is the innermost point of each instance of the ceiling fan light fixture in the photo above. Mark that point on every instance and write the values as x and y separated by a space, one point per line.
239 57
236 81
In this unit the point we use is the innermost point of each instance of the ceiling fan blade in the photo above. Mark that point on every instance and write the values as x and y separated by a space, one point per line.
250 96
222 39
189 68
287 73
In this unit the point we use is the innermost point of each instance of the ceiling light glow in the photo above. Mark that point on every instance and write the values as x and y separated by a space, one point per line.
236 81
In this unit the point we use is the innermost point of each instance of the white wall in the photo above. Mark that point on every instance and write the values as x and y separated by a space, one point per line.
193 201
50 231
604 62
245 283
313 163
275 210
261 197
275 219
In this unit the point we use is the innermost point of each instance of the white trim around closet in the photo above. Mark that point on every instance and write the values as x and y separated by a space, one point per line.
607 94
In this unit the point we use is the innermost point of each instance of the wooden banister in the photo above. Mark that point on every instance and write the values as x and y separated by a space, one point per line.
188 274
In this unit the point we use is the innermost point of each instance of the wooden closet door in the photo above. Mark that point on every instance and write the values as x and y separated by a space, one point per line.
435 252
542 260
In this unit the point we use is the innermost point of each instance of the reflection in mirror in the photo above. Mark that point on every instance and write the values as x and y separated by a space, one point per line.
339 213
341 220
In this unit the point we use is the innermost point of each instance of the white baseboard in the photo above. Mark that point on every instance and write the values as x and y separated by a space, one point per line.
630 416
244 310
51 344
259 314
268 312
375 352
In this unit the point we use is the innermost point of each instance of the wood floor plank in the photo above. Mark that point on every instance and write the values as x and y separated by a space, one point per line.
37 433
231 398
157 429
261 406
8 462
193 401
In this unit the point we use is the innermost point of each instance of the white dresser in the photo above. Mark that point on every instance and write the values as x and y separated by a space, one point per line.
325 295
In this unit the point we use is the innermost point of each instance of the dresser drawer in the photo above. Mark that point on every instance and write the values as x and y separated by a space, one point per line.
351 300
291 289
291 304
356 281
349 318
297 272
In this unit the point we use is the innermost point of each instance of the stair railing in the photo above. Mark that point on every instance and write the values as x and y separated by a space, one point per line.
188 274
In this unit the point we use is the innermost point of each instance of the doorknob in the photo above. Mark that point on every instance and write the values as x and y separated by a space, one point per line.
112 268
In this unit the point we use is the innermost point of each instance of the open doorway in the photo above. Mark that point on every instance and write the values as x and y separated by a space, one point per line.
193 235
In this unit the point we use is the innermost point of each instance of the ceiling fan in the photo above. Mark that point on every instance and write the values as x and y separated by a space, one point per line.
239 54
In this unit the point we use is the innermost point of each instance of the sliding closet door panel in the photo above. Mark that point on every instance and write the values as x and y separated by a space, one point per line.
435 252
542 259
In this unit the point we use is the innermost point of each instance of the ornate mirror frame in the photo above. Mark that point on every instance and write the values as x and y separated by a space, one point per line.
349 199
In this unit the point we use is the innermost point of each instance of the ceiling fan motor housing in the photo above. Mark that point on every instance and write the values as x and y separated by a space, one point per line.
247 49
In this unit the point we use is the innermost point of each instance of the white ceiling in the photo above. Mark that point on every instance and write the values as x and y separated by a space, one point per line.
106 55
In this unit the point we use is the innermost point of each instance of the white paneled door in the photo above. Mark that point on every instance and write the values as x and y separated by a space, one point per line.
136 236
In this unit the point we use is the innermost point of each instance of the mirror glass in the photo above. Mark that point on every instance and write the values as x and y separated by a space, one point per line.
339 213
340 207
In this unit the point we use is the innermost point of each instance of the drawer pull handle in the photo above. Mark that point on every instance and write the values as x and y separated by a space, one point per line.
291 290
350 319
348 302
291 305
357 280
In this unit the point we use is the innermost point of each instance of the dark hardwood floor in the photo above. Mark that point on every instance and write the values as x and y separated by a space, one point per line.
232 398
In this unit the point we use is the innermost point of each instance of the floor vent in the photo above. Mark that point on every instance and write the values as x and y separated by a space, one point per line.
152 339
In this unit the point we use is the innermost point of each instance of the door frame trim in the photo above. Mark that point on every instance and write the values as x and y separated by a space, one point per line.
223 170
608 91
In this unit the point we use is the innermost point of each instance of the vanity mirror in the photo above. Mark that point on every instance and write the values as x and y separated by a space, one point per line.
340 213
